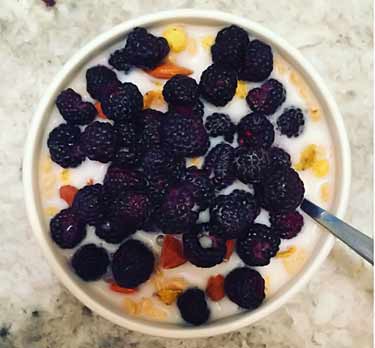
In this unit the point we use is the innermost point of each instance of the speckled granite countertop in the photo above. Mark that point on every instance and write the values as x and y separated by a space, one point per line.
335 308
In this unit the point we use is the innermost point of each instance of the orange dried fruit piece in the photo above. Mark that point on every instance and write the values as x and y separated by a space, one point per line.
215 288
116 288
99 109
67 193
168 296
167 70
230 248
171 253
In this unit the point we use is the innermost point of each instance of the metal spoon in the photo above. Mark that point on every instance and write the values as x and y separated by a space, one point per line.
356 240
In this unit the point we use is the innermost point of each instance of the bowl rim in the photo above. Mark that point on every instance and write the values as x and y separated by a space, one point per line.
31 155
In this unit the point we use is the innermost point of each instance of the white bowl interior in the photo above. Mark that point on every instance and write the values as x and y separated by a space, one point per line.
86 293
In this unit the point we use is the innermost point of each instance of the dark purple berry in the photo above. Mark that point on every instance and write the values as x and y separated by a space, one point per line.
196 110
127 157
255 130
90 262
231 214
279 158
202 248
219 124
129 208
119 179
88 203
201 186
99 141
181 90
73 109
158 162
100 81
230 46
118 60
251 165
267 98
123 102
64 146
143 49
281 191
193 306
132 264
258 246
112 232
148 123
288 224
258 62
218 84
176 213
291 122
245 287
184 136
219 165
125 134
158 188
66 228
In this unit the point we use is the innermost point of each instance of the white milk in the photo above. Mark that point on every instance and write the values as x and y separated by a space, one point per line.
276 273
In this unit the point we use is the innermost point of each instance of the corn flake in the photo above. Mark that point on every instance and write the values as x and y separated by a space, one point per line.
65 176
320 168
207 41
176 37
241 90
153 98
286 253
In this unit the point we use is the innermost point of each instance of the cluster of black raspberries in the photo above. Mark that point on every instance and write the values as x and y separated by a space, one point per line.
147 185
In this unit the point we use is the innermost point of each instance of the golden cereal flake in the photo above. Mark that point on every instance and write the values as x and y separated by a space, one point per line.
130 306
148 309
241 90
325 192
65 176
176 37
320 168
195 161
51 211
168 296
307 158
153 98
295 261
315 113
286 253
145 307
207 41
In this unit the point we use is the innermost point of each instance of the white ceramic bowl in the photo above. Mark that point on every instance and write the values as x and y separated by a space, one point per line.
33 202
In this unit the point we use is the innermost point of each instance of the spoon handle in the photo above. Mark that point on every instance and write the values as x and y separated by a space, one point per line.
359 242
